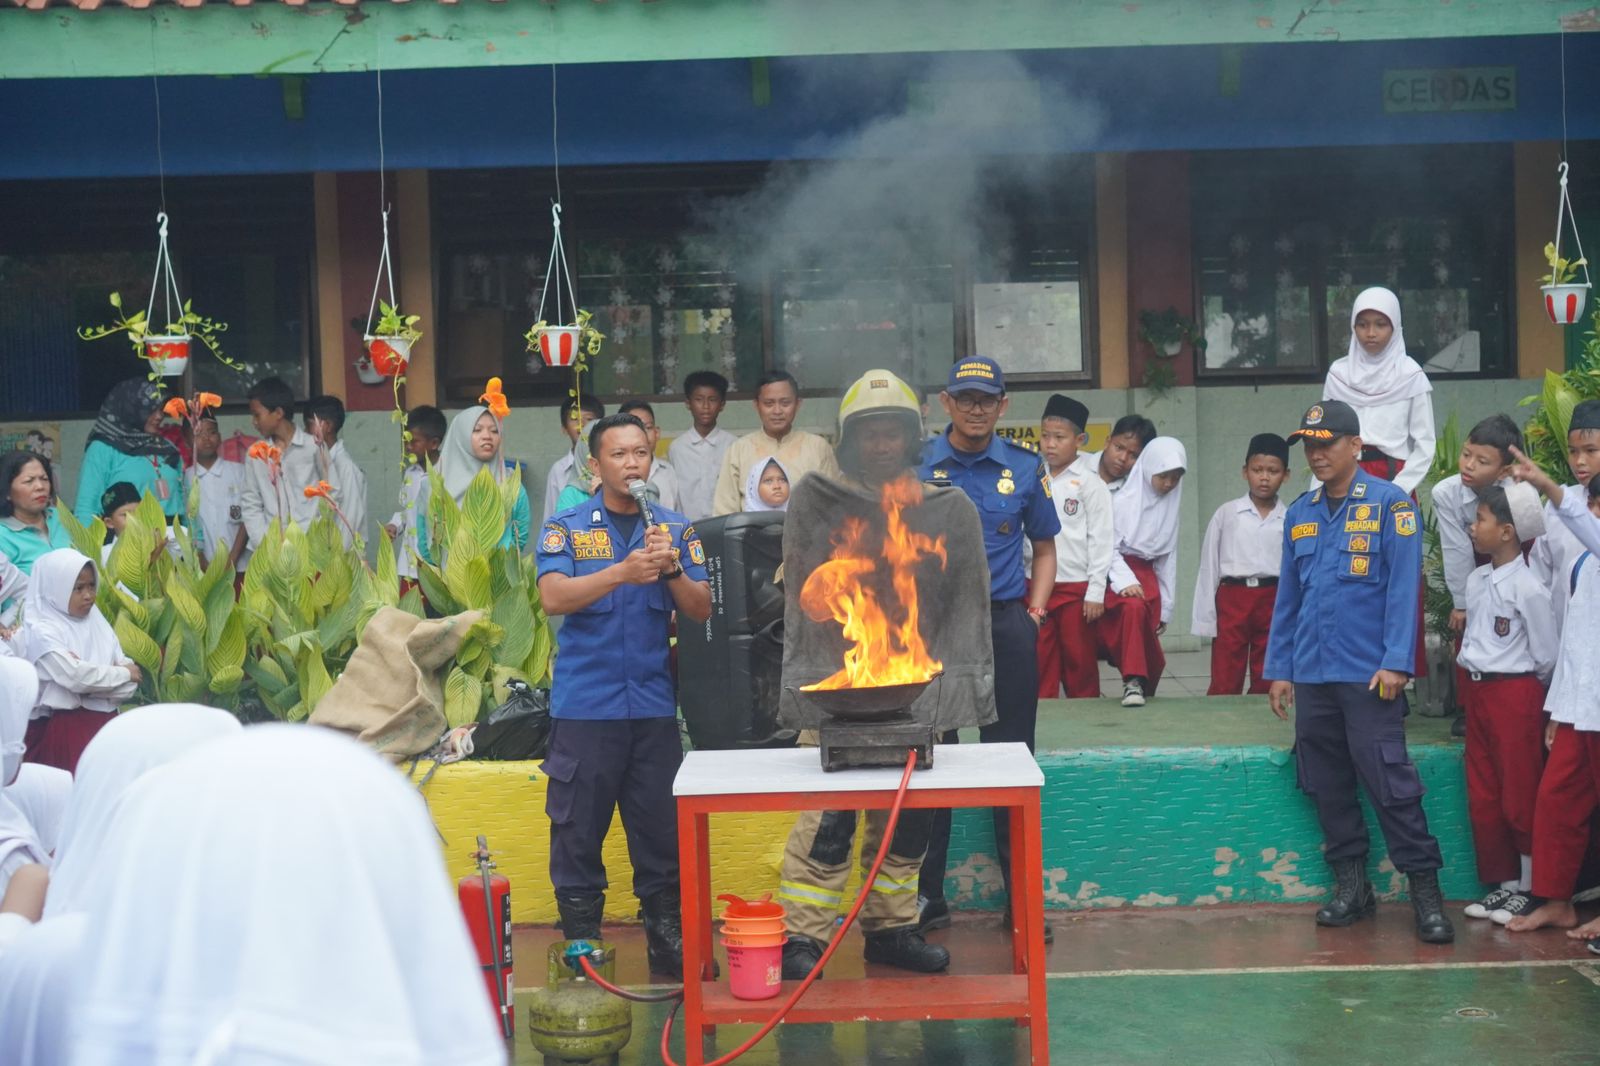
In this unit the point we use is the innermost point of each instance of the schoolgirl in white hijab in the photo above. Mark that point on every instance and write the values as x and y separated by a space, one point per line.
472 443
1389 391
1145 518
19 840
277 897
753 494
84 674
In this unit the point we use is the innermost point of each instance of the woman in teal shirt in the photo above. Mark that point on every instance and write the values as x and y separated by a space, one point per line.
124 446
28 526
472 443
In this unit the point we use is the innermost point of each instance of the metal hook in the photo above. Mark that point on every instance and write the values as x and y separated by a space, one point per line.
555 213
161 220
1561 168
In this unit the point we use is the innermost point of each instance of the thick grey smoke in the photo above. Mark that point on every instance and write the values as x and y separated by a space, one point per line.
862 241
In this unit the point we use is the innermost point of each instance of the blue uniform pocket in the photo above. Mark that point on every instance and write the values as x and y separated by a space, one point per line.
1001 513
1359 566
561 793
1401 782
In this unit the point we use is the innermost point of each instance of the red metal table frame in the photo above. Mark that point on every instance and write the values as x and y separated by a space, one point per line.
1019 994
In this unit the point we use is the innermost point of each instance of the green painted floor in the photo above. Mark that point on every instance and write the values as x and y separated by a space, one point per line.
1547 1014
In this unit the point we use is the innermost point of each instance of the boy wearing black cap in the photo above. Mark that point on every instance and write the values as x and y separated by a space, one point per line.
1508 650
1343 644
1067 653
1238 579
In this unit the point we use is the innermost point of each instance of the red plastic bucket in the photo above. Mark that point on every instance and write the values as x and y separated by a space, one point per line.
755 973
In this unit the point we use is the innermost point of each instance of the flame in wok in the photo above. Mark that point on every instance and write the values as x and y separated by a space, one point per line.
886 643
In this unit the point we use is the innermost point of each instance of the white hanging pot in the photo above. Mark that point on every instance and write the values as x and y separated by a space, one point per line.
558 345
387 355
367 373
1564 303
168 353
1171 348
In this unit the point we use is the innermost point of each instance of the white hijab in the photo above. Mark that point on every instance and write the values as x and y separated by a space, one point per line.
38 992
19 688
42 793
129 745
1361 379
457 465
1145 522
50 626
278 897
752 486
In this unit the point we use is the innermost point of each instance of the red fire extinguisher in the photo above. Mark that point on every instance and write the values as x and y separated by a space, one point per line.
486 906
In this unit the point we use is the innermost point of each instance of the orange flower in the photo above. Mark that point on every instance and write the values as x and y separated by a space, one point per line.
264 451
204 400
176 408
495 399
321 488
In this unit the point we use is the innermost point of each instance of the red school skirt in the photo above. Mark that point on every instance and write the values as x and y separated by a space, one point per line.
58 739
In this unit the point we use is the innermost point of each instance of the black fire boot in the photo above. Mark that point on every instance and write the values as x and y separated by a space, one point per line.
904 948
1433 925
663 932
580 914
800 954
1353 898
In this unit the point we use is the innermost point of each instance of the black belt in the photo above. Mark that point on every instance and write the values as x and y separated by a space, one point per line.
1373 455
998 605
1251 582
1478 675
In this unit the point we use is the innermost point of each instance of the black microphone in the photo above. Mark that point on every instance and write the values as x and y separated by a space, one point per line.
640 491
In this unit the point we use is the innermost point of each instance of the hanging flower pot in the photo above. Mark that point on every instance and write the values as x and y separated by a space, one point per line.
1171 348
168 353
1564 303
558 345
388 355
366 373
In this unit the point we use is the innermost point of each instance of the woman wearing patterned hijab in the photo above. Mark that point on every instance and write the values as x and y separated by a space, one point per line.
124 445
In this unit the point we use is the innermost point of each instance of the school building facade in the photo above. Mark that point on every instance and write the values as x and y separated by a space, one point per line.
822 188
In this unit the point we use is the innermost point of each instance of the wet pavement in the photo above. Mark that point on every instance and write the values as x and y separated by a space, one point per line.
1245 984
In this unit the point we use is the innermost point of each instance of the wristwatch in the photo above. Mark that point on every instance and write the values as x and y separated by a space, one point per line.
1037 613
676 571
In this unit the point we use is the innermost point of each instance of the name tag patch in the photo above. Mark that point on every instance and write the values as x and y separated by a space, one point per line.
1357 526
1303 530
591 544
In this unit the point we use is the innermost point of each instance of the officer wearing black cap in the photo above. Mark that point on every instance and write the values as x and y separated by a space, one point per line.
1342 647
1011 488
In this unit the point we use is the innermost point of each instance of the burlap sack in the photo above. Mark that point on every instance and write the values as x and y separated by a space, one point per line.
391 694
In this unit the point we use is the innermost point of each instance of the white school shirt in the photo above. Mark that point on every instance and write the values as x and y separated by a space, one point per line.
1238 543
349 491
13 590
1092 461
555 481
1511 627
664 478
221 491
1402 430
697 461
1084 545
406 520
1553 554
263 501
1455 508
1574 696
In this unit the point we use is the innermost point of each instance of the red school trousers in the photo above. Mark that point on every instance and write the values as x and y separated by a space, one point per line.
1569 792
1067 652
58 739
1505 758
1126 633
1244 618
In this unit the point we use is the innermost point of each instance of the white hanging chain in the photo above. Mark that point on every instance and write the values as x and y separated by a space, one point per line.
558 255
385 269
163 272
1564 210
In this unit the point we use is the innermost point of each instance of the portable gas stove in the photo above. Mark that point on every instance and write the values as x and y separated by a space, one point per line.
871 726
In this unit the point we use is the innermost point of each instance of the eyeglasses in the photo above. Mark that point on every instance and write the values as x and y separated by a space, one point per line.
982 401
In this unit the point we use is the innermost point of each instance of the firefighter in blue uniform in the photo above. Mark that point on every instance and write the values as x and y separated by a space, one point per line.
1011 489
614 729
1342 648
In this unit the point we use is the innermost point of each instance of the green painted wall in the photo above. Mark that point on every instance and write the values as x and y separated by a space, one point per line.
271 37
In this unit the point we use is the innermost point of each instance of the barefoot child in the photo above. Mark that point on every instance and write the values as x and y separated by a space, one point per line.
84 675
1508 651
1144 568
1238 579
1067 652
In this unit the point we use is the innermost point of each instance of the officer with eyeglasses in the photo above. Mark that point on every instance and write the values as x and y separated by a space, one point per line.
1011 488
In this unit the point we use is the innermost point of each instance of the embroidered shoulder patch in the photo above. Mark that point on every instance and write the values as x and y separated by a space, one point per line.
697 553
554 541
1400 505
1303 530
1405 523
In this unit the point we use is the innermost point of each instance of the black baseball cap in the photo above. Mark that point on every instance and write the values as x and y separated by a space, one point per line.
1326 421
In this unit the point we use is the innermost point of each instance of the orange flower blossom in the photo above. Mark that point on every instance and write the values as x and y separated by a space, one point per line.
321 488
262 450
176 408
204 400
495 399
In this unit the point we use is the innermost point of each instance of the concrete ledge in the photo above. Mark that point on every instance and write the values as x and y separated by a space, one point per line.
1185 802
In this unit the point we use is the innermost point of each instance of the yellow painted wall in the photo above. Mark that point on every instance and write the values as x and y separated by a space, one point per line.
1111 267
1540 343
413 213
328 299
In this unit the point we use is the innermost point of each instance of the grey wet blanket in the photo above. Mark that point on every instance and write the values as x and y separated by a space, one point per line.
953 600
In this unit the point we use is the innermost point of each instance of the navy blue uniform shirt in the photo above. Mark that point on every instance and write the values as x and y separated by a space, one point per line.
611 656
1011 489
1347 589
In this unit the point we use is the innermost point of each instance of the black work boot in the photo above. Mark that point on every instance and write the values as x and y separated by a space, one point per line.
580 914
800 954
1353 898
1433 925
904 947
663 932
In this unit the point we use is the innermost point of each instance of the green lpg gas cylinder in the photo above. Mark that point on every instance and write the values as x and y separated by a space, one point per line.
574 1021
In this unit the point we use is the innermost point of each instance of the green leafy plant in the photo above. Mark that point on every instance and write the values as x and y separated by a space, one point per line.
1166 332
1437 603
474 571
138 330
391 323
1562 271
1546 432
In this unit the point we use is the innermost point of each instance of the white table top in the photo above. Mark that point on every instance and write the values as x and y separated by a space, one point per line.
739 773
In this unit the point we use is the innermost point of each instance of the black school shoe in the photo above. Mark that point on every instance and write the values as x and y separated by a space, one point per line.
1594 945
1486 906
1520 903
